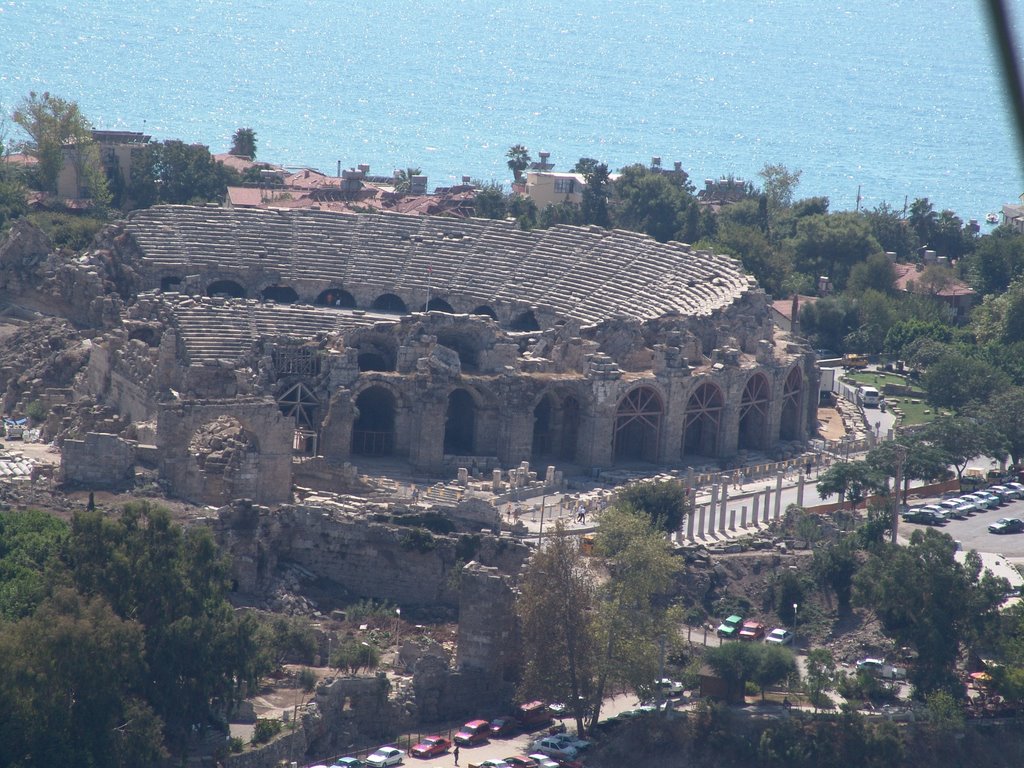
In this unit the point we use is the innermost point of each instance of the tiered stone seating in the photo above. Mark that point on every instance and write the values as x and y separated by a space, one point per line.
579 272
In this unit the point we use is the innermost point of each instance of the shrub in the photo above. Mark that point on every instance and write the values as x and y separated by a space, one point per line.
235 745
36 411
307 679
265 730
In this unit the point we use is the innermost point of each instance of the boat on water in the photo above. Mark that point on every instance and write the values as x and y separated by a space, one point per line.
992 218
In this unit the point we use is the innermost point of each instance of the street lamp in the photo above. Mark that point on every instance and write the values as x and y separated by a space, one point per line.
795 607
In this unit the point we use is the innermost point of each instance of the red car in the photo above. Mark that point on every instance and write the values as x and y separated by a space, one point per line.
504 726
752 630
521 761
432 746
473 732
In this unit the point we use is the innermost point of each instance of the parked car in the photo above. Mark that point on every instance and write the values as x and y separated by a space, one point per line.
520 761
1007 525
780 636
553 746
924 516
431 746
504 726
348 762
544 761
1018 488
384 757
879 668
580 745
1005 493
670 687
473 732
533 715
489 764
752 630
730 627
956 509
994 500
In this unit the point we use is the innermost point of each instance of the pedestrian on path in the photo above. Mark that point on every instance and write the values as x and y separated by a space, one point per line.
456 753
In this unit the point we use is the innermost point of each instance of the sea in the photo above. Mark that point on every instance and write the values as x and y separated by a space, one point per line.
871 100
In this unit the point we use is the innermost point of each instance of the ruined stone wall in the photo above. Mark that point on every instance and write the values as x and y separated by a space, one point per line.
98 461
364 559
486 621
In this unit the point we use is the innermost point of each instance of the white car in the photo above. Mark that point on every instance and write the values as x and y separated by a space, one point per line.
543 761
779 636
879 668
552 747
578 744
994 499
670 687
384 757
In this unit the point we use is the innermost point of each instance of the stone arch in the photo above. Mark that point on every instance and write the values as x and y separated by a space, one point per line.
376 354
373 431
702 421
484 309
279 294
338 298
298 403
437 304
464 345
147 335
389 304
460 423
792 405
755 407
638 425
225 288
556 424
525 321
169 283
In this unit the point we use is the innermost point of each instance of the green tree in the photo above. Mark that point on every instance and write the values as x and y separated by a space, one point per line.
832 245
32 543
594 207
850 480
648 202
773 664
920 460
955 379
996 262
961 438
819 676
891 231
555 608
175 585
923 220
518 160
1004 413
175 172
779 186
243 143
927 600
403 180
835 565
874 273
490 202
633 609
665 502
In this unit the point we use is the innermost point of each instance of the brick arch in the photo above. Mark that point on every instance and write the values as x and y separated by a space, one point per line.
792 405
702 421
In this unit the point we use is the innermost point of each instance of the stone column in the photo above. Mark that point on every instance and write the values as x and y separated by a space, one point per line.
700 522
778 494
743 516
732 519
767 501
800 489
712 507
496 481
757 500
724 502
689 523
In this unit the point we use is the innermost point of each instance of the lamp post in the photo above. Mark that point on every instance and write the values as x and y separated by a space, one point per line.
398 637
795 607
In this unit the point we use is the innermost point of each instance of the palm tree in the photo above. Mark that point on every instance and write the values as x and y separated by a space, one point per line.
403 180
243 143
518 160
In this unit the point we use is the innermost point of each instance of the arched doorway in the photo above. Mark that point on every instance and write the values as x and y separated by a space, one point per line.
338 298
754 414
525 321
279 294
638 426
438 305
168 284
570 428
486 310
389 304
227 288
460 424
300 404
373 432
702 421
543 427
792 403
464 346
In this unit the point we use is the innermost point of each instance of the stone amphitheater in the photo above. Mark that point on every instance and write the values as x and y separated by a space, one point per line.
277 339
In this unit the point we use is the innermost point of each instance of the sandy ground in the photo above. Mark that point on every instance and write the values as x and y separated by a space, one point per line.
830 424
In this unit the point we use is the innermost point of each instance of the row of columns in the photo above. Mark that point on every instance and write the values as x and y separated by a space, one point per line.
716 517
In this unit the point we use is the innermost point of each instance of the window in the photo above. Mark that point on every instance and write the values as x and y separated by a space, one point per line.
565 186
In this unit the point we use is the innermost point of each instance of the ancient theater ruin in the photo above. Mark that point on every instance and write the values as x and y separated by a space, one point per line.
246 342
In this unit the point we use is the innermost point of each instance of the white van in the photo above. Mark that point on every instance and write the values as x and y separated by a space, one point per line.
869 397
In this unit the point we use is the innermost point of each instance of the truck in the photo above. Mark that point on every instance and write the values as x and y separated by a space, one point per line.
854 360
869 397
880 669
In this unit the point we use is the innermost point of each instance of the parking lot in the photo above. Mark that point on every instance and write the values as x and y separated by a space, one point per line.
973 532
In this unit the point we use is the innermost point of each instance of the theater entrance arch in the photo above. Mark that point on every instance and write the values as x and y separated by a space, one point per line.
373 432
460 424
792 405
702 422
338 298
754 409
638 426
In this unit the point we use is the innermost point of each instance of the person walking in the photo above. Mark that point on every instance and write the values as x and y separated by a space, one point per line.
456 753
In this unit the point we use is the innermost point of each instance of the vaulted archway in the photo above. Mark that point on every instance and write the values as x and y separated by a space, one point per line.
485 310
754 411
437 304
460 424
373 432
525 321
389 304
792 405
638 425
279 294
702 422
338 298
227 288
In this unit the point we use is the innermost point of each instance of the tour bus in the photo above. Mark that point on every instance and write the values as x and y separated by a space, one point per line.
869 397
